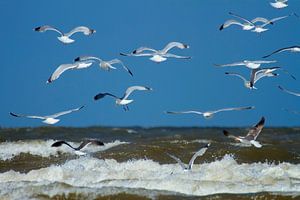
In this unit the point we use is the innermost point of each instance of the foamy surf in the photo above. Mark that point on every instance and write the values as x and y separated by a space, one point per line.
9 150
220 176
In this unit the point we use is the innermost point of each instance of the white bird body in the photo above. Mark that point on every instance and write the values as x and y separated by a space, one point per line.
65 39
157 58
279 4
123 101
50 121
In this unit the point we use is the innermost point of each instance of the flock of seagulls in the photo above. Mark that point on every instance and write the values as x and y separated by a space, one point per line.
258 25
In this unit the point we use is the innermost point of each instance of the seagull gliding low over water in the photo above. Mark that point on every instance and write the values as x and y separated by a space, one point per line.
48 119
209 114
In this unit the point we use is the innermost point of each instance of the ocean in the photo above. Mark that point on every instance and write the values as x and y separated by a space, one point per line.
133 164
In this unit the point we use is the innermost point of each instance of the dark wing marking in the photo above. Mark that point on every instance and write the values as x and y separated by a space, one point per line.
61 142
102 95
255 130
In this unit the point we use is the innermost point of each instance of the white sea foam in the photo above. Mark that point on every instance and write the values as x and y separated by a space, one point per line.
220 176
43 148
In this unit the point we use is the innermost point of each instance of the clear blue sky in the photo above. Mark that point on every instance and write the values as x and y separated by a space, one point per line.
28 58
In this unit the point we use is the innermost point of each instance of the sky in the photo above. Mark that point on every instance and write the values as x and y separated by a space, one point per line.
29 58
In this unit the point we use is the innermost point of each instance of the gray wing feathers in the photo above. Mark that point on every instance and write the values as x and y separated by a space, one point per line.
65 112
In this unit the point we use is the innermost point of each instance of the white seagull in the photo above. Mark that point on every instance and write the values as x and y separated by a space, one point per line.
189 167
288 91
159 55
48 119
295 49
78 149
255 64
65 37
124 101
261 28
106 65
64 67
251 25
209 114
254 77
257 74
279 4
251 136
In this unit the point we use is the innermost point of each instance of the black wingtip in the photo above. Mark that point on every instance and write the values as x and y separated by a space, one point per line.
221 27
99 96
226 133
77 59
57 144
99 143
134 52
37 28
280 87
123 54
262 121
81 107
13 114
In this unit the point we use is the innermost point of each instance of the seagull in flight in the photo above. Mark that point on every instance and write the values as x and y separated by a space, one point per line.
250 138
288 91
159 55
65 37
250 25
106 65
64 67
255 64
209 114
48 119
257 74
189 167
294 49
279 4
78 149
124 101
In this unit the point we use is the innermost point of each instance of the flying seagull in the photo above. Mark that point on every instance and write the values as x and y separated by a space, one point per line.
279 4
251 136
106 65
261 28
65 37
64 67
189 167
250 25
288 91
248 63
257 74
159 55
48 119
124 101
295 49
81 146
209 114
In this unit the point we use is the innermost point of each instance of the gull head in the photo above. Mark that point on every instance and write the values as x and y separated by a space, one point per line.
157 58
65 39
50 121
123 101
